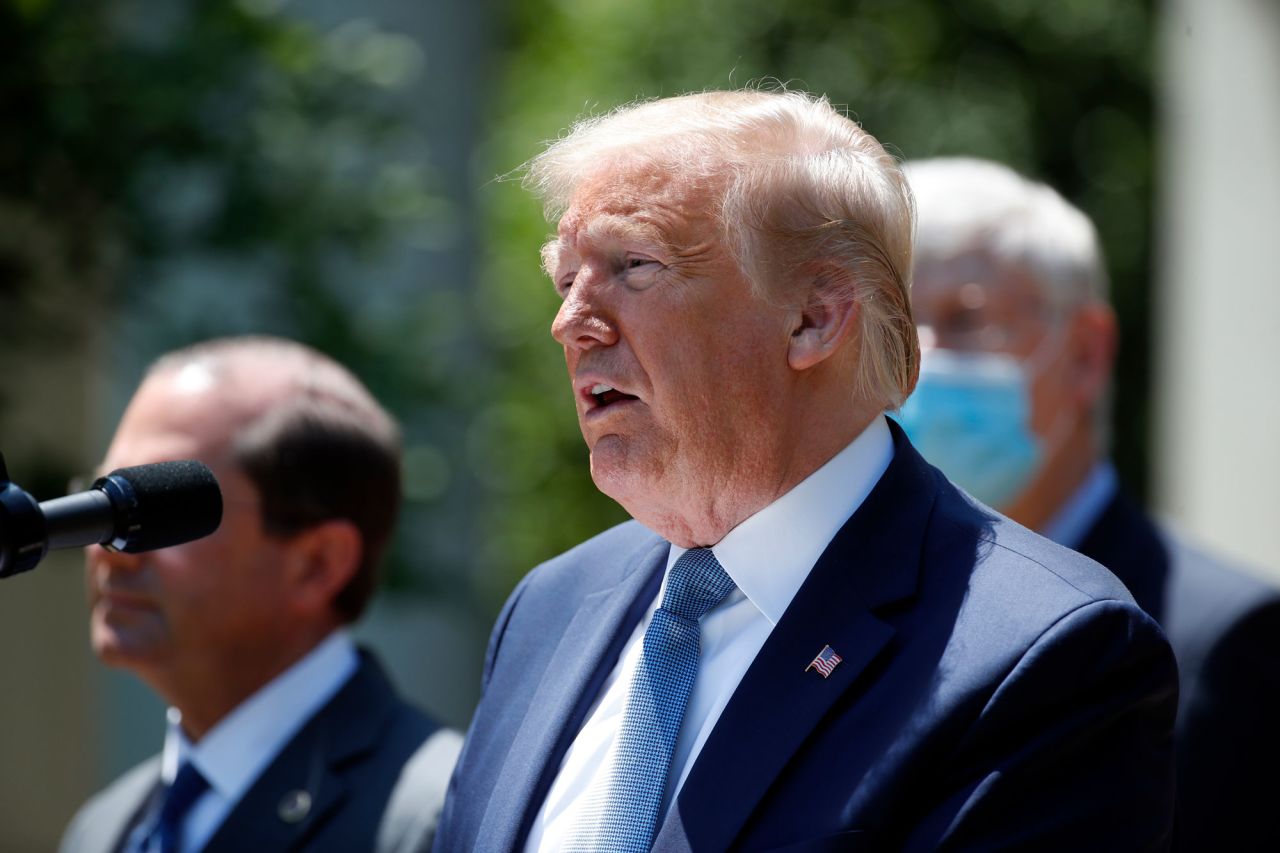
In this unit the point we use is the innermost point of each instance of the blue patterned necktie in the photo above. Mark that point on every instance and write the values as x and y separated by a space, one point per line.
188 786
622 816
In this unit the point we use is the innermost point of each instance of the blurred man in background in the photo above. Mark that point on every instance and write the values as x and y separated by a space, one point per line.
282 735
807 638
1010 297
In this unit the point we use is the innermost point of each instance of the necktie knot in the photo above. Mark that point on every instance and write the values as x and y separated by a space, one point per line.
697 582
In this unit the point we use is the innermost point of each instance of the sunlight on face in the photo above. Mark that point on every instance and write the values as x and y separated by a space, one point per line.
675 362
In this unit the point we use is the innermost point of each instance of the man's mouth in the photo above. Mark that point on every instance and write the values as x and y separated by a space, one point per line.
117 599
605 395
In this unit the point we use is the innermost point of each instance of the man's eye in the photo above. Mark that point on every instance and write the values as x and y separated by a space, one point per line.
563 285
640 263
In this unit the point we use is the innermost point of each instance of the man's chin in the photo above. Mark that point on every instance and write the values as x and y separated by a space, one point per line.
125 649
636 492
614 470
610 484
118 656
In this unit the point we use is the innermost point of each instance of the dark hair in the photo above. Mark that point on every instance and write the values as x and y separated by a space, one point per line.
323 450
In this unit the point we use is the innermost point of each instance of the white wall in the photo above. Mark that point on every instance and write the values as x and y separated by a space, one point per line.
1218 298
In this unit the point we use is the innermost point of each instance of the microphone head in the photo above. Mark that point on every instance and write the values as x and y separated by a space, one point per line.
162 504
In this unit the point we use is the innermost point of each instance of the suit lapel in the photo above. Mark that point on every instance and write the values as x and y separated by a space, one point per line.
581 662
873 561
121 810
301 787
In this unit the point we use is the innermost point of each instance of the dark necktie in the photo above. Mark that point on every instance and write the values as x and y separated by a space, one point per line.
623 817
187 787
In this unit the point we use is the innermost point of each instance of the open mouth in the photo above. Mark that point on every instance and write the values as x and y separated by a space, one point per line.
606 395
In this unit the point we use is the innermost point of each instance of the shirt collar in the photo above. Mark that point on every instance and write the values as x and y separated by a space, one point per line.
234 752
1072 521
770 554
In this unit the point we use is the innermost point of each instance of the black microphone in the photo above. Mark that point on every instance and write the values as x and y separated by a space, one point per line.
131 509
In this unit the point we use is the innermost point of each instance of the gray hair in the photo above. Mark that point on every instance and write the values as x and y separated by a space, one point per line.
801 187
965 205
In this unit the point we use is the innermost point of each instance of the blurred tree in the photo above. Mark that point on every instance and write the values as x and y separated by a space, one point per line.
144 130
1060 91
176 169
222 167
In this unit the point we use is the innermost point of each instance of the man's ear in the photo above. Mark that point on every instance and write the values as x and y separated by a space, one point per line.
1093 342
823 323
322 560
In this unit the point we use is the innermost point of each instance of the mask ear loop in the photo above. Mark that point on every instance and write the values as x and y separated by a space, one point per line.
1033 368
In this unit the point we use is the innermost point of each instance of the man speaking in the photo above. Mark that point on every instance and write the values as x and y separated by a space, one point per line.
282 735
808 638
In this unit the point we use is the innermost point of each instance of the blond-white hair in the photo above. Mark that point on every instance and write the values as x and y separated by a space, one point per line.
799 187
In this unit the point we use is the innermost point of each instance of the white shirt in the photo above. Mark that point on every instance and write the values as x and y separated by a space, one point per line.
768 556
232 755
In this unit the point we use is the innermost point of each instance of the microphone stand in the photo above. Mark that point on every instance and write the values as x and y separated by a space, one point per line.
22 529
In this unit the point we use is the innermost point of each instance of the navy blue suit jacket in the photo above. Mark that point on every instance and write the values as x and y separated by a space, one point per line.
372 767
1225 629
996 692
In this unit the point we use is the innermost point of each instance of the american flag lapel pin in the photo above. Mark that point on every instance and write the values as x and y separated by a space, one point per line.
825 662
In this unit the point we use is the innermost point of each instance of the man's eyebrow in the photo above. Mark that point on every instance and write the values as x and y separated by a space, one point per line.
550 253
605 228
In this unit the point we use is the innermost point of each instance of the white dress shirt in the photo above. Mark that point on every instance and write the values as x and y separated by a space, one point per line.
234 753
768 556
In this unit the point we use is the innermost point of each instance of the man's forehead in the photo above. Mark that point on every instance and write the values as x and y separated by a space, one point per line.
601 227
626 203
976 281
165 419
617 192
203 408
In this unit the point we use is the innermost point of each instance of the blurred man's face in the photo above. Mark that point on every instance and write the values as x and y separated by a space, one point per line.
971 304
196 609
677 367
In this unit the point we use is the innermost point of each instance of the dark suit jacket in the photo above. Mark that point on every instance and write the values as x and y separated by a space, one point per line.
1225 629
374 768
996 692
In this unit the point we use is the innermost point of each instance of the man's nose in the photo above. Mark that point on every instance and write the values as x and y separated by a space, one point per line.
116 560
585 320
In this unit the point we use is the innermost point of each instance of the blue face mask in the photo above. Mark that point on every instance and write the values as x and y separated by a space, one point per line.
970 415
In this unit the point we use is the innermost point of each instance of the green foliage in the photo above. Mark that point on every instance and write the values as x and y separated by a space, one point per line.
172 170
1061 91
145 131
222 167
